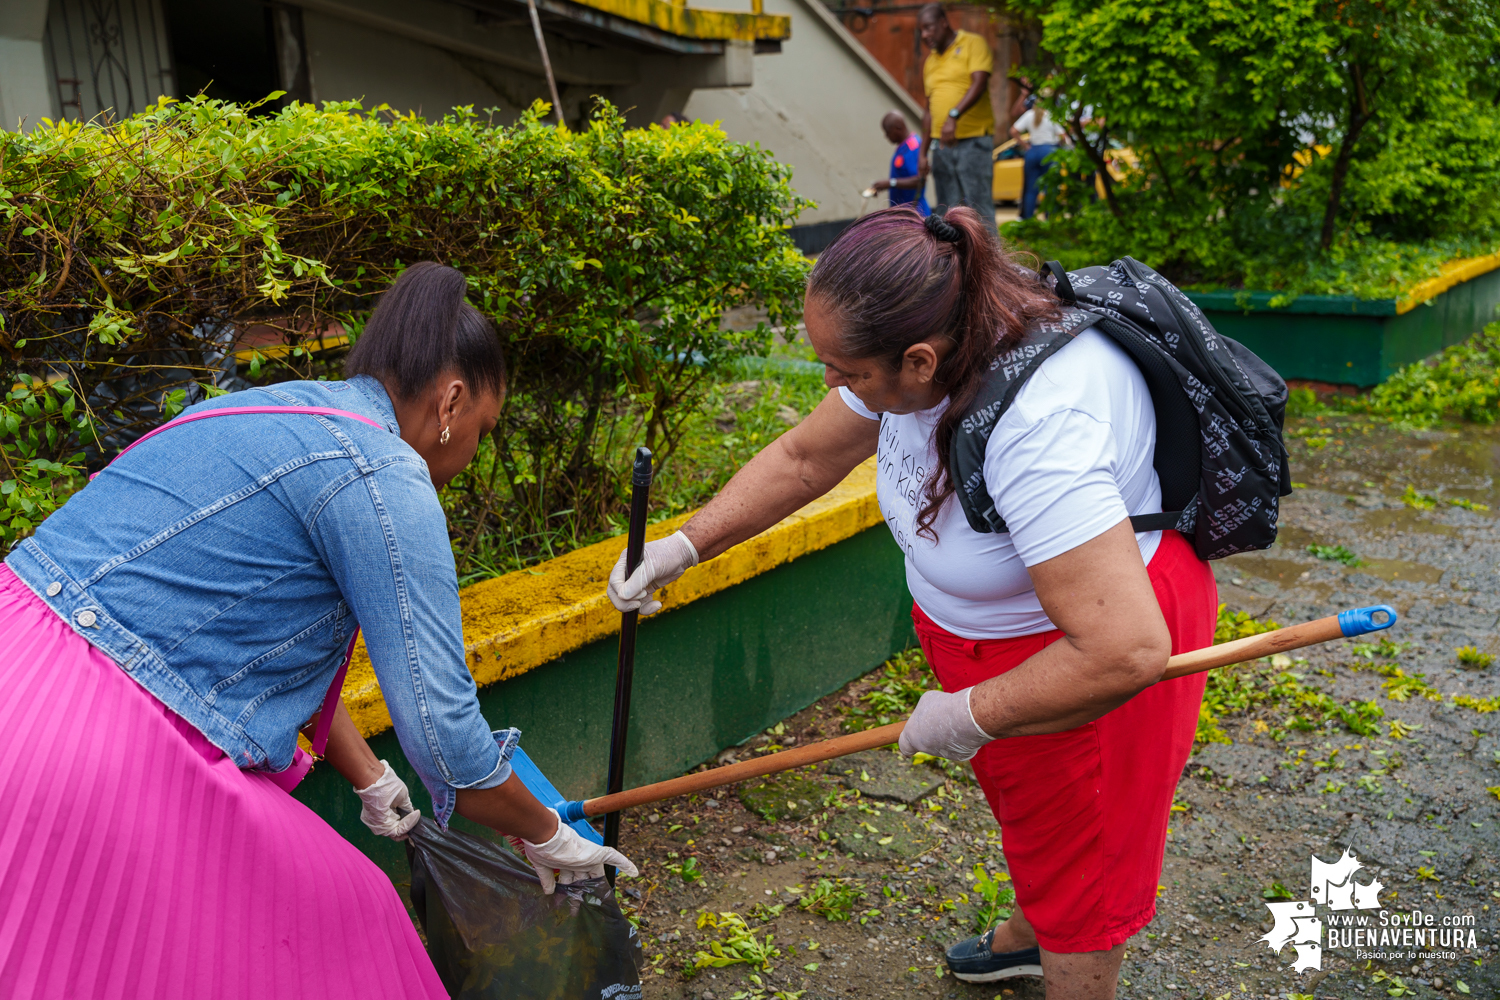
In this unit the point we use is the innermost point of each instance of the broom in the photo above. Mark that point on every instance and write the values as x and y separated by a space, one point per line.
1345 624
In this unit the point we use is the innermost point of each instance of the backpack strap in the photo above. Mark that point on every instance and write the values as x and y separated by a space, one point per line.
1057 276
1176 457
1166 520
1008 372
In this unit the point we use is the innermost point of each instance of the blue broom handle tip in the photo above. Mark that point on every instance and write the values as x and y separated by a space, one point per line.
1358 621
571 812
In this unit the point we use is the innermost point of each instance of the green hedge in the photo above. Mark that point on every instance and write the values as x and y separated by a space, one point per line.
134 255
1462 383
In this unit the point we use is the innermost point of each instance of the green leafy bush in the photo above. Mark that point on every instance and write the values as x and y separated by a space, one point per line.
1470 658
1463 382
1289 145
34 418
135 255
737 944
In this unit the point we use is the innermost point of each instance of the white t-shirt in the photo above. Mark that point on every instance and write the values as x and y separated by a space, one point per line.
1069 460
1044 131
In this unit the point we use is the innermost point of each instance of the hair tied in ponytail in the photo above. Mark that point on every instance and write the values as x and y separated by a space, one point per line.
889 283
943 229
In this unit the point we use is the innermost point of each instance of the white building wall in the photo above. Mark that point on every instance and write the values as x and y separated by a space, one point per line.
816 105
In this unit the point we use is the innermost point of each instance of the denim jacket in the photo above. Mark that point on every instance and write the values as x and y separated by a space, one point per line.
225 563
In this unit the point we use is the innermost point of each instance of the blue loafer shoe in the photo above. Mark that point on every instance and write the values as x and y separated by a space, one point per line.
974 962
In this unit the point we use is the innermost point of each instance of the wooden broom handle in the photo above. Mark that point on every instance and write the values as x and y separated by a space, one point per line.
1197 661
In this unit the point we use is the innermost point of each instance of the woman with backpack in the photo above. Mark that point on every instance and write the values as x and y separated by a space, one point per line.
165 635
1047 637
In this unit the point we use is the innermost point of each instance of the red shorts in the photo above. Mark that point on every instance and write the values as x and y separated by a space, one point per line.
1084 813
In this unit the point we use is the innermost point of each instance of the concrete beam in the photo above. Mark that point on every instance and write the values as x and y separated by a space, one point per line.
667 82
463 32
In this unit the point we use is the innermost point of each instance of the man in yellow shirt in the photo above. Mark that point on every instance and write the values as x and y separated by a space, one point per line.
956 77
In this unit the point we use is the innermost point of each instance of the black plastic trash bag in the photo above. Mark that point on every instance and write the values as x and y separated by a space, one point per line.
493 933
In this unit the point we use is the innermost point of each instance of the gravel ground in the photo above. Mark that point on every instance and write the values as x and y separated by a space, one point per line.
1408 796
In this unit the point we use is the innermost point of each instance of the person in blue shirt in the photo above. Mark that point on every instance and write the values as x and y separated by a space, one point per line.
907 185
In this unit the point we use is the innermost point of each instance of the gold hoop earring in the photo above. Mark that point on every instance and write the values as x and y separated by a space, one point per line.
445 436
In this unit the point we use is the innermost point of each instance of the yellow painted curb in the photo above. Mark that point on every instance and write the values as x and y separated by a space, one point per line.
1455 272
522 620
244 355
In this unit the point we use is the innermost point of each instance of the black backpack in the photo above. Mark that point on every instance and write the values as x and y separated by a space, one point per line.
1219 408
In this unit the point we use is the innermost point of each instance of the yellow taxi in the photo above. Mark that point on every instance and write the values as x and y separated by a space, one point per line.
1010 168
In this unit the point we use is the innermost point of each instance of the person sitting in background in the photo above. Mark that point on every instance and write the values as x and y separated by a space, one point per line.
1040 136
956 78
907 184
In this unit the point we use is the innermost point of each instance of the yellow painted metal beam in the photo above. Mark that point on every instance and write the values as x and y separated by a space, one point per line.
522 620
695 22
1455 272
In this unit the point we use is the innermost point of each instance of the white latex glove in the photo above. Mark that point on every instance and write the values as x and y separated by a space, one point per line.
662 561
573 857
383 800
943 725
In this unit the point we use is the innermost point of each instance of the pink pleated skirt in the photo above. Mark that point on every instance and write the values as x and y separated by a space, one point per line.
137 861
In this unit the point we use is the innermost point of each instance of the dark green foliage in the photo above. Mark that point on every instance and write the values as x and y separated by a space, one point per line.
133 255
1303 146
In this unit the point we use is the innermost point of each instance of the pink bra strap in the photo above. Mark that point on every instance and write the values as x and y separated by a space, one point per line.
331 699
316 411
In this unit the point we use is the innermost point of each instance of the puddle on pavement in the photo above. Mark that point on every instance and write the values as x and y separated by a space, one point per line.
1405 519
1398 569
1283 571
1290 538
1447 463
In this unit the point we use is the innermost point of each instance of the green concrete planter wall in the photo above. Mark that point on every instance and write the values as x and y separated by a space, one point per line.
1335 338
712 670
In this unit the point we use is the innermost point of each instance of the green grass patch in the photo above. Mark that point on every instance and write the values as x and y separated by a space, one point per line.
832 899
1334 553
1470 658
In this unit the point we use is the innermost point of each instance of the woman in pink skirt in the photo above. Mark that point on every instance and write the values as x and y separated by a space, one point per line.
166 634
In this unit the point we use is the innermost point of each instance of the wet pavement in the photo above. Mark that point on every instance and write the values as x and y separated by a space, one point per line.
1412 791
